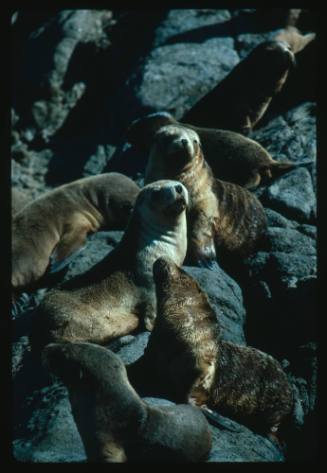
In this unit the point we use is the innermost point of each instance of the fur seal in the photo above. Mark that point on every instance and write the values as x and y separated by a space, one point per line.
224 219
114 423
47 231
240 100
231 156
190 362
108 300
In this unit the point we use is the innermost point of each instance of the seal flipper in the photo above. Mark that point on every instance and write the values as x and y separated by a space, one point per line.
55 266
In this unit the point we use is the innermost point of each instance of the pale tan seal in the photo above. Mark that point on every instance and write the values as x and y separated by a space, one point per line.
189 362
109 300
240 100
115 424
231 156
52 227
223 218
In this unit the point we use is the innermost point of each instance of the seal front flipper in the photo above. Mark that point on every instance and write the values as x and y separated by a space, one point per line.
55 266
70 244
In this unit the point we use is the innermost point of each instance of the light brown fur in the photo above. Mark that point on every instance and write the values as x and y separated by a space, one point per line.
55 225
114 423
222 217
109 300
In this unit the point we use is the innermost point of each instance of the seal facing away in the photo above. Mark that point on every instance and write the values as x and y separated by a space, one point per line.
108 300
231 156
189 362
114 423
47 231
240 100
224 219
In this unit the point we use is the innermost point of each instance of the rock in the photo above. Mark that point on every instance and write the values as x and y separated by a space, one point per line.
226 299
133 350
293 195
51 434
290 136
49 91
175 75
239 444
287 240
275 219
97 247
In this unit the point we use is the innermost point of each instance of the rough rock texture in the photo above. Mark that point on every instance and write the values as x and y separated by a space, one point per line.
80 77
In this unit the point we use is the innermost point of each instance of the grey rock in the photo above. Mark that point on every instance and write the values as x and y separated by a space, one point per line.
132 351
242 445
288 240
51 433
291 136
188 24
226 299
275 219
309 230
97 247
293 195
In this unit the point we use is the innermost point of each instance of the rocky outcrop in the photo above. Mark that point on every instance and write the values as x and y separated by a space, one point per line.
81 76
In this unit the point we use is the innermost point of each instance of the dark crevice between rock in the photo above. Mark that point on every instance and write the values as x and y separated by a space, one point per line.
94 120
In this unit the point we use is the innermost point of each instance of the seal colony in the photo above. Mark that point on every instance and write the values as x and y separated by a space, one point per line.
109 300
224 219
231 156
48 230
114 423
240 100
188 362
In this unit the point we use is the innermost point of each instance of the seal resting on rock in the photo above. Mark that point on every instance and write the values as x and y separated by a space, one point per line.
231 156
224 219
47 231
114 423
240 100
108 300
187 360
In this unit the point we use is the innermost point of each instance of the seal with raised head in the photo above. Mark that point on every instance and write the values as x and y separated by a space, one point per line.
108 300
224 219
231 156
240 100
189 362
47 231
115 424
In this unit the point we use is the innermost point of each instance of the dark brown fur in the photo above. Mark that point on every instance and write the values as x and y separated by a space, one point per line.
240 100
109 300
245 383
114 423
223 218
231 156
56 224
